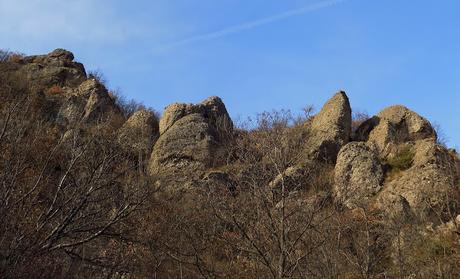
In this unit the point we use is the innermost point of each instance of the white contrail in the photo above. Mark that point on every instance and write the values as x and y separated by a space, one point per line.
251 24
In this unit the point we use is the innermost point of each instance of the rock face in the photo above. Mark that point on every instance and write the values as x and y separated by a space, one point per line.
330 129
191 137
88 103
99 102
212 109
425 187
358 175
74 98
140 131
55 68
431 186
394 125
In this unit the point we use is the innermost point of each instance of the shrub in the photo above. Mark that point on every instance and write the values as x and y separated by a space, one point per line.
441 135
358 118
15 57
128 106
401 161
97 75
9 56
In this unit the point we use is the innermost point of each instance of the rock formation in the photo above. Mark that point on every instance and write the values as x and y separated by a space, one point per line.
393 125
425 186
140 131
358 175
330 129
191 137
88 103
55 68
430 185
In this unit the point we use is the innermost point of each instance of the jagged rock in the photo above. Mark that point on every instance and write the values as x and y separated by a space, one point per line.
392 126
414 127
431 185
190 137
140 131
395 207
212 108
99 102
330 129
71 110
358 175
88 102
55 68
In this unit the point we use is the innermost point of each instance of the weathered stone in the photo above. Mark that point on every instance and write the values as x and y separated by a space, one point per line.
431 186
212 108
392 126
140 131
99 102
71 110
55 68
330 129
88 102
411 125
190 137
383 138
359 175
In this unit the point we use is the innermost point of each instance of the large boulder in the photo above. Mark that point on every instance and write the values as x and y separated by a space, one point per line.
140 131
99 102
431 184
89 102
55 68
392 126
191 137
330 129
212 109
359 175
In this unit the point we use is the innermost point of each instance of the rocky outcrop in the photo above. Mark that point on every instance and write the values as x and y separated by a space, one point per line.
191 137
421 176
359 175
99 102
55 68
213 109
431 185
330 129
140 131
88 103
64 82
392 126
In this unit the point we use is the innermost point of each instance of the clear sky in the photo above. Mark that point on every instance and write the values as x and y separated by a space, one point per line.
260 54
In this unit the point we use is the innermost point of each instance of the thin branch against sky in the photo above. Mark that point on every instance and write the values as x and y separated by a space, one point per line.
250 25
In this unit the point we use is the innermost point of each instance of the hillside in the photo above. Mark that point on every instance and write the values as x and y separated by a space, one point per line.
93 186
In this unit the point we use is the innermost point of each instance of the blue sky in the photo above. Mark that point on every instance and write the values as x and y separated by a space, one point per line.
259 54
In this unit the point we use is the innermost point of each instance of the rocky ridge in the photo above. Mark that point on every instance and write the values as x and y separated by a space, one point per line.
189 140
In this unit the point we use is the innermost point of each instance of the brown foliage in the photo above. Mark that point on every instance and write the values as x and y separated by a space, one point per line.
55 90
